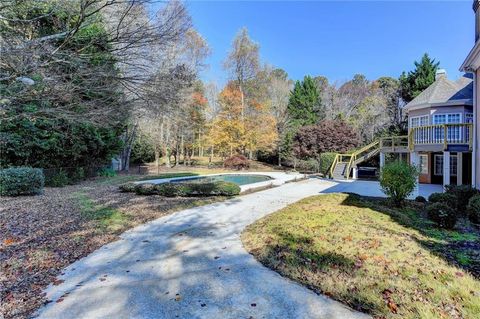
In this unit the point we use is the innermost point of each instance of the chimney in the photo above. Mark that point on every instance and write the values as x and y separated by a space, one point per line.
476 4
441 73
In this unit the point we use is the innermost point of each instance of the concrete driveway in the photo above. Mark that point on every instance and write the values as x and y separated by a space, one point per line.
192 265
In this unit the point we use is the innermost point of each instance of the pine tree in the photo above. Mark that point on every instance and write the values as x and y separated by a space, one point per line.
413 83
304 106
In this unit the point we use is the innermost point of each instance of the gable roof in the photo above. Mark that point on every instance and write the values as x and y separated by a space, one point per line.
444 92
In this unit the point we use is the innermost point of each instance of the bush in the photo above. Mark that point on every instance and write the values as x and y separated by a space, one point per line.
21 181
183 189
462 194
78 175
398 180
145 189
473 209
237 162
442 214
444 198
107 172
127 187
58 179
420 199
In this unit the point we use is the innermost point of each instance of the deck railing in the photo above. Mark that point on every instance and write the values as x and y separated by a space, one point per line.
394 142
445 134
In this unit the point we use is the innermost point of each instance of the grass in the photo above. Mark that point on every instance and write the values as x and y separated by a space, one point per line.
391 263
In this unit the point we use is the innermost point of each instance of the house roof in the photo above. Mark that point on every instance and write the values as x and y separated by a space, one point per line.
444 92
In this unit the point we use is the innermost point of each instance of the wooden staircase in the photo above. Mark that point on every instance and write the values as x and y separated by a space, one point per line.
343 164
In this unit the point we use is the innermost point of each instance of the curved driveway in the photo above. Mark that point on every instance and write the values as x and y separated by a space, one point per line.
192 264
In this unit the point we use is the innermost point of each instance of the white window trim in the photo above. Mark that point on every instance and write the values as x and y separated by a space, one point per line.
435 164
446 117
419 121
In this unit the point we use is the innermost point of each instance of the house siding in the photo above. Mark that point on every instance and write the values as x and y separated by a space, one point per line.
477 125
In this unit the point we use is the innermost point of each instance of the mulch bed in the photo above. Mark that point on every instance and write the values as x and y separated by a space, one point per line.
41 235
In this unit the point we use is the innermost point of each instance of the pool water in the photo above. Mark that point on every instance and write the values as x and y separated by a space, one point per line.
236 179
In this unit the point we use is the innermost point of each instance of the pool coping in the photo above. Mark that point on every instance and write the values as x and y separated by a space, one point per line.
277 179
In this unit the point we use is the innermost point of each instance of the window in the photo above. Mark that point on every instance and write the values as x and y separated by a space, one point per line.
438 165
439 119
423 163
454 118
419 121
468 117
454 133
453 165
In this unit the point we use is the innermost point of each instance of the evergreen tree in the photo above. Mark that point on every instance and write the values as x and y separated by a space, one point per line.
413 83
304 105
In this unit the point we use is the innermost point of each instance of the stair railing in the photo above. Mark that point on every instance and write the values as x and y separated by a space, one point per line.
354 157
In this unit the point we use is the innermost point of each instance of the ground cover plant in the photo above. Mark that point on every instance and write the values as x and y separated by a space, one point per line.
42 234
193 189
388 262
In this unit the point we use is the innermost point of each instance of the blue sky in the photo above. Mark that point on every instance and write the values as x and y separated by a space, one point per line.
339 39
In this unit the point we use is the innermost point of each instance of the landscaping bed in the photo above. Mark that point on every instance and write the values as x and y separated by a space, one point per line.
40 235
388 262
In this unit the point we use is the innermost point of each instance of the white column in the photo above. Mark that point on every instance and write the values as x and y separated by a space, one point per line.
355 172
415 161
446 168
459 168
382 160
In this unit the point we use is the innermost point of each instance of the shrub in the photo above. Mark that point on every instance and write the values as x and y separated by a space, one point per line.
184 189
211 189
58 179
462 194
107 172
442 214
145 189
398 180
473 209
78 174
127 187
237 162
21 181
420 199
444 198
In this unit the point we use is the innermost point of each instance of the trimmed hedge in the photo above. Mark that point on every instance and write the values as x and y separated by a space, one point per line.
183 189
462 194
442 214
444 198
21 181
473 209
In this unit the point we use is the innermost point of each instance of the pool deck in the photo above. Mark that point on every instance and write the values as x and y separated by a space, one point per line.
277 179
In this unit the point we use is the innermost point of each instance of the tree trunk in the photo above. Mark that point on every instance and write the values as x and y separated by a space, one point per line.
279 158
157 159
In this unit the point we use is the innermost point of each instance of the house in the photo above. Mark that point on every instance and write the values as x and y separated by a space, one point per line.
472 65
440 125
440 138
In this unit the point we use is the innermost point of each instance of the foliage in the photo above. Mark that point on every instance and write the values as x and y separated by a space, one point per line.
237 162
127 187
107 172
420 199
17 181
49 143
327 136
444 198
413 83
442 214
398 180
304 105
462 194
143 150
58 179
473 209
184 189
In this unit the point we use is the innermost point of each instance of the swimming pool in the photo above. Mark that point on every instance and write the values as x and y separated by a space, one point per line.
239 179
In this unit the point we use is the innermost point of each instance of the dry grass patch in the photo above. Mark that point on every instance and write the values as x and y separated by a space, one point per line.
387 262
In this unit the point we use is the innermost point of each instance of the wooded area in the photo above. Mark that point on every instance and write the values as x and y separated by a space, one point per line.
84 81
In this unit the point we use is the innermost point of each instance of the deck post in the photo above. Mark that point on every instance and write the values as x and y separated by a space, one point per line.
415 161
382 160
459 168
446 168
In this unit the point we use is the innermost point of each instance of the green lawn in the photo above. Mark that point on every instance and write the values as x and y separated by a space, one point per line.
391 263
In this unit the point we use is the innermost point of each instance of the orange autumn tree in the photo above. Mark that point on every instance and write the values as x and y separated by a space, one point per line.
241 126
